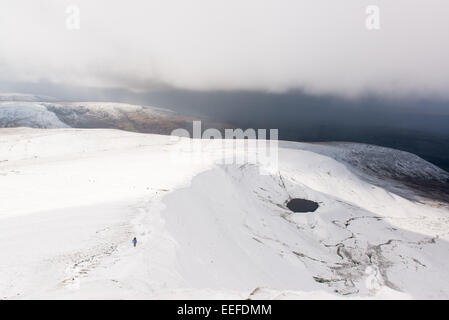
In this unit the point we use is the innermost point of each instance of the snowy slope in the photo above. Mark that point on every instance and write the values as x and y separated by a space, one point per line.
37 114
72 200
394 170
23 97
135 118
28 114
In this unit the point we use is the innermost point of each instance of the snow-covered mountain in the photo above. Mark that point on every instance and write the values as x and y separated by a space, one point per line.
24 97
18 110
73 199
28 114
397 171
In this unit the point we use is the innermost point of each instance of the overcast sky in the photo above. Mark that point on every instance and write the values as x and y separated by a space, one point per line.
319 46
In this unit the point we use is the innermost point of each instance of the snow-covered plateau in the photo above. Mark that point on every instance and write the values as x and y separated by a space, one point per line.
71 201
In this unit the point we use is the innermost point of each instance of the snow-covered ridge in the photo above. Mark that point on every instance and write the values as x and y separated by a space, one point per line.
89 115
28 114
204 230
398 171
111 109
23 97
392 162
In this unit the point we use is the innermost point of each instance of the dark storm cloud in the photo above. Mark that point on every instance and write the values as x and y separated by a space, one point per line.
320 46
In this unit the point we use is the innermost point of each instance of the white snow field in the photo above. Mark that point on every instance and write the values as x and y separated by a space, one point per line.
71 200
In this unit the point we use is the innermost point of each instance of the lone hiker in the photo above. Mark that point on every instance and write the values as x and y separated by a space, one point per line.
135 241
